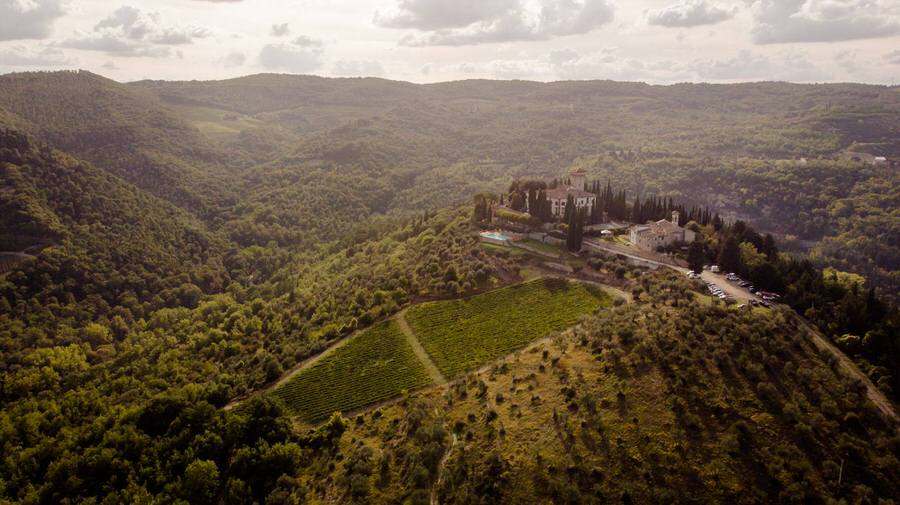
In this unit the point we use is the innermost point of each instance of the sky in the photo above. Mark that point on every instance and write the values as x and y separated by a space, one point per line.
654 41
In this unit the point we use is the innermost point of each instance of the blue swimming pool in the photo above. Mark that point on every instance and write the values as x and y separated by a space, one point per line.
493 235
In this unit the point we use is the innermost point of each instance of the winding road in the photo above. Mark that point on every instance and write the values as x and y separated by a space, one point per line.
884 405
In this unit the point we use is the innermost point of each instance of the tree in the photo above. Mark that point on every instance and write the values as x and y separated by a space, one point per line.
201 479
570 208
575 236
696 255
730 255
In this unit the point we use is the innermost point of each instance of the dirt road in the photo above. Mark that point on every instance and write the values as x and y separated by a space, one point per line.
423 356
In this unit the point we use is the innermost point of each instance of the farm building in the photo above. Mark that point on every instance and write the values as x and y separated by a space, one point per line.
660 233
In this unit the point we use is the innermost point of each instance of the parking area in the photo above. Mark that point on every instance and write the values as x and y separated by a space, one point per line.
730 286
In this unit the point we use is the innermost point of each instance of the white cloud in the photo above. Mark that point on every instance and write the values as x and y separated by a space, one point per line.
689 13
554 18
134 24
893 57
357 68
304 41
234 59
129 31
280 30
788 21
115 46
745 66
290 58
28 19
22 56
441 14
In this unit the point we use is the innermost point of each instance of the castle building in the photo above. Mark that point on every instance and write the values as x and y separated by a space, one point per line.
560 195
660 233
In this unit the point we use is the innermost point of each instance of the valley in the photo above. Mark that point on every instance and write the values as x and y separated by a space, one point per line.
276 289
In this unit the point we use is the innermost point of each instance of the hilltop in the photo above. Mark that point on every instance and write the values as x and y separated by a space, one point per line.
173 248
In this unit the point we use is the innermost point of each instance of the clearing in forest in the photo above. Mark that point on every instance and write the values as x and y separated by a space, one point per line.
375 365
464 334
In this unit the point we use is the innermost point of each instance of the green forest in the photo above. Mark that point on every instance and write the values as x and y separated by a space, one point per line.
169 247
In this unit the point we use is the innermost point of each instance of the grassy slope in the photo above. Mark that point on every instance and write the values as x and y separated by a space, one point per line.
646 403
463 334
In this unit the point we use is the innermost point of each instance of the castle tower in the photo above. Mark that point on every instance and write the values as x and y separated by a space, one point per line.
675 216
579 178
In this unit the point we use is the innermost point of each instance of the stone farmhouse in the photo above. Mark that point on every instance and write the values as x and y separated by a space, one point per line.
660 233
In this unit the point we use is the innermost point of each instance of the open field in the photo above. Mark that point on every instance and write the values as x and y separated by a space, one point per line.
375 365
463 334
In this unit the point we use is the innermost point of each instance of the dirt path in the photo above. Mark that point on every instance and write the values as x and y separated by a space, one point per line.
850 368
420 352
440 471
423 356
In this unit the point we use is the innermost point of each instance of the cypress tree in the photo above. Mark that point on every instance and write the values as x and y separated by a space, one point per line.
696 255
570 206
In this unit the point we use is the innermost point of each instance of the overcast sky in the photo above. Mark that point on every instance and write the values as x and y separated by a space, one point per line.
657 41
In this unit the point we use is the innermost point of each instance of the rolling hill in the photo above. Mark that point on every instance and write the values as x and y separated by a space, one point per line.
182 244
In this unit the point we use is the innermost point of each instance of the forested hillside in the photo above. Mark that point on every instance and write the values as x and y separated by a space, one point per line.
170 247
126 133
428 146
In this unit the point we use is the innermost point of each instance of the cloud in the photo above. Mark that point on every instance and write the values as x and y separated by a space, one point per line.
290 58
554 18
746 65
234 59
893 57
129 31
689 13
304 41
21 56
356 68
110 65
429 15
280 30
134 24
28 19
787 21
606 63
115 46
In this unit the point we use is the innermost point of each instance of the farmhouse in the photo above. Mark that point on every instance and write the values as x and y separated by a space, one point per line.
661 233
560 195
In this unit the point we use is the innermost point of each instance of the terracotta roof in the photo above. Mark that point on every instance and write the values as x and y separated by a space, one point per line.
661 227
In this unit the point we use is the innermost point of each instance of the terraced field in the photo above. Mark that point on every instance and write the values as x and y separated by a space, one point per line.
464 334
375 365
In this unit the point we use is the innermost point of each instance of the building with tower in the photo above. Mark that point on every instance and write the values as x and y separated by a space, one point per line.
660 234
559 196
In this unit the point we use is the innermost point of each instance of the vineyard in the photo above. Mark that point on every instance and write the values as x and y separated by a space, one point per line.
460 335
376 365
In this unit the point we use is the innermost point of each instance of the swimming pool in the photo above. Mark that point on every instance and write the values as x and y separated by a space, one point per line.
494 235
